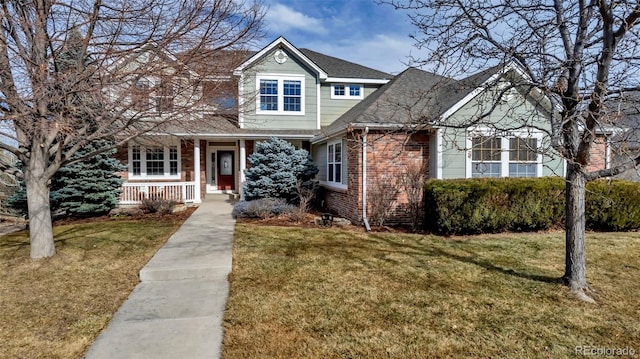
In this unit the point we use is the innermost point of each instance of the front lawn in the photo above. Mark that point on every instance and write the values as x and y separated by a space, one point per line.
56 307
327 293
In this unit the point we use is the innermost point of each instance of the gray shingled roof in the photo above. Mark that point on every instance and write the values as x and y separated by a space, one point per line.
413 97
335 67
217 125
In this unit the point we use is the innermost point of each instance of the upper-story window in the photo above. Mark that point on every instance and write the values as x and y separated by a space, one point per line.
280 95
155 95
140 95
346 91
164 95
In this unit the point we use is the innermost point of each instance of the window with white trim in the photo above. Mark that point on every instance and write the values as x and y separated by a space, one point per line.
154 161
523 157
346 91
505 156
280 95
334 162
486 153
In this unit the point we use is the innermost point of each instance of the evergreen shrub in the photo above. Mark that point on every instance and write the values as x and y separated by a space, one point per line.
87 188
275 170
471 206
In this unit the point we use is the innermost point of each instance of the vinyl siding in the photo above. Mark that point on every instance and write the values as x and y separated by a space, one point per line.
292 67
511 115
331 109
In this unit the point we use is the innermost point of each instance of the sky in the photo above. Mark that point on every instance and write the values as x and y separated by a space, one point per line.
359 31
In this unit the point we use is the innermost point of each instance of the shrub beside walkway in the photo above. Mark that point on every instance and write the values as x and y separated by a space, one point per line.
176 311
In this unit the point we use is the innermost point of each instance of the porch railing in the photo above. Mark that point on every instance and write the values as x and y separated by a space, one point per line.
134 193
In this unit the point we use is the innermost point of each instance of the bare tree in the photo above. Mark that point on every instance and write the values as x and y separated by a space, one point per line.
579 54
76 71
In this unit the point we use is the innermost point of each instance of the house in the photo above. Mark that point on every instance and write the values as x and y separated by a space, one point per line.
283 92
490 124
618 137
366 129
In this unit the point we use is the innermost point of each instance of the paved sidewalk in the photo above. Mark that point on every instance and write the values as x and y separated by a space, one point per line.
176 311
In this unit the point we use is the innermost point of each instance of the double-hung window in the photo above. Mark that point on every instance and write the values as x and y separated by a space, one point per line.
486 156
523 157
334 162
154 161
346 91
280 95
506 155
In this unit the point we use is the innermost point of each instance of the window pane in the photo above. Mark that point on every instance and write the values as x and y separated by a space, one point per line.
330 174
338 177
523 149
338 90
155 161
292 95
338 155
173 160
292 88
135 161
292 103
486 148
269 95
523 170
486 169
354 90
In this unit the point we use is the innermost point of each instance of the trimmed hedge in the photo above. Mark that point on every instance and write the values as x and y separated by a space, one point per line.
471 206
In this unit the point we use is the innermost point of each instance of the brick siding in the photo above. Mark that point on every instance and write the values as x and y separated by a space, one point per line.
389 155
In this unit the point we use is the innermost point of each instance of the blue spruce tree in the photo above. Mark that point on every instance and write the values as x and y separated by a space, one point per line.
275 168
87 188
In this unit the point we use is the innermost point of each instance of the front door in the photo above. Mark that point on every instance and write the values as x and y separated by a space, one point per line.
225 169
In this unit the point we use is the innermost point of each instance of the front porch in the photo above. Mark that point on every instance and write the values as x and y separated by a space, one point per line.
185 169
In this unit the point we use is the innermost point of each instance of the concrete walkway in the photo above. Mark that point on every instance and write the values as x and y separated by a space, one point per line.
176 311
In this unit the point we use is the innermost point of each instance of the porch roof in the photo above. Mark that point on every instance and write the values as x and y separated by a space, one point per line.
226 126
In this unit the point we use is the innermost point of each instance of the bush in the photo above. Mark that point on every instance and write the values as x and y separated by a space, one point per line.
262 208
471 206
276 167
613 205
159 206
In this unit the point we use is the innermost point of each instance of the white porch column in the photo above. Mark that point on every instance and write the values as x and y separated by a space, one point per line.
243 166
196 169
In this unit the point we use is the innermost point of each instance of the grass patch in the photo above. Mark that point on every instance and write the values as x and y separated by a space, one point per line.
56 307
325 293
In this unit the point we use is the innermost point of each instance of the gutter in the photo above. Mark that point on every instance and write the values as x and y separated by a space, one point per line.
364 180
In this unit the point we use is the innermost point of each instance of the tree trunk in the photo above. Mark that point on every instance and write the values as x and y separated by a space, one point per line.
38 205
575 256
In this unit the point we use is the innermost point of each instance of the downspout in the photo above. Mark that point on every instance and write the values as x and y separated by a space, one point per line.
364 179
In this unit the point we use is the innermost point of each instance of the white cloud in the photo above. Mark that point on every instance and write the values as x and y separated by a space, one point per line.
281 19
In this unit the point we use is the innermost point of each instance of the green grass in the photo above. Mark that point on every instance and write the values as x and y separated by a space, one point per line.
324 293
56 307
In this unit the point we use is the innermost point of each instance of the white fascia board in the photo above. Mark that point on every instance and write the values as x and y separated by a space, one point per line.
280 41
325 136
356 80
511 66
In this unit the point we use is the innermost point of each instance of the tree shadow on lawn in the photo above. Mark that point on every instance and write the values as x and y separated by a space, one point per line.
472 258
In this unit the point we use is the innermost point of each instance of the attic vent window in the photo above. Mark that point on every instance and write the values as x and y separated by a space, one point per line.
280 56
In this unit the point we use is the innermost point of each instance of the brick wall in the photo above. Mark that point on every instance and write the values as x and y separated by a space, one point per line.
389 156
598 154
